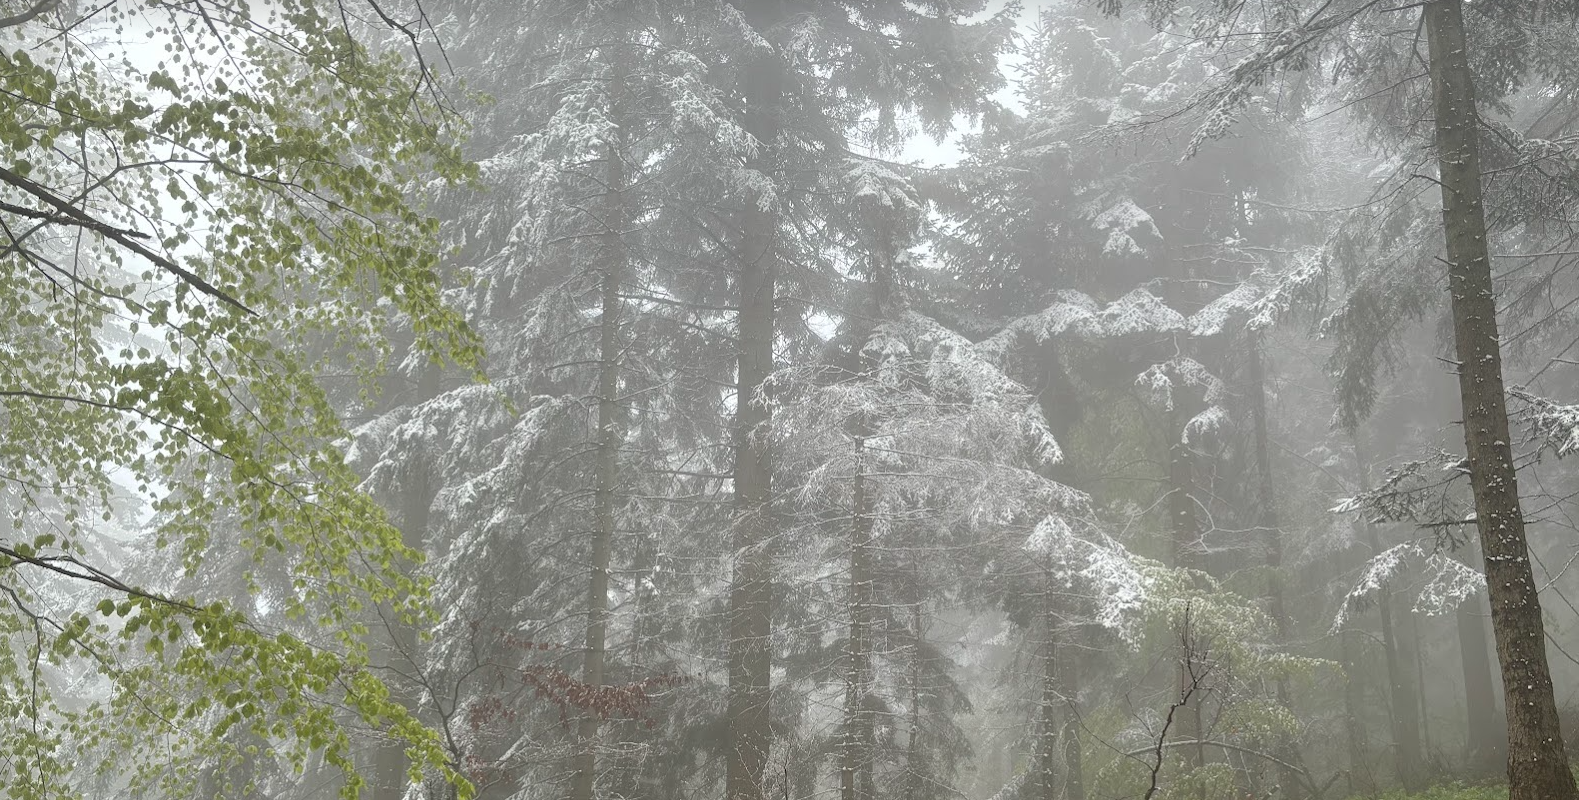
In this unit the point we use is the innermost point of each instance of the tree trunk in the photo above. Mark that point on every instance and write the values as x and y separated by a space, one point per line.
750 592
611 276
855 767
1060 405
1068 688
915 752
1405 716
1416 652
1044 781
1272 538
1483 745
1360 778
1537 763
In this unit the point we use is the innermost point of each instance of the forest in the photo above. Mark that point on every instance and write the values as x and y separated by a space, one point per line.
789 399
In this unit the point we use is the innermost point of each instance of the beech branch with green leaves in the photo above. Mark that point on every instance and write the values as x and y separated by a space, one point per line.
203 215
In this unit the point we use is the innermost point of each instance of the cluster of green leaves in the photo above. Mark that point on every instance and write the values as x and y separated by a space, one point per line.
1231 646
196 232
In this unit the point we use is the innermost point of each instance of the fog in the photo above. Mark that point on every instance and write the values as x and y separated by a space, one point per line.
789 399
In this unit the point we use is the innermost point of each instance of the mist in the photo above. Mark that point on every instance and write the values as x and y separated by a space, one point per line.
789 399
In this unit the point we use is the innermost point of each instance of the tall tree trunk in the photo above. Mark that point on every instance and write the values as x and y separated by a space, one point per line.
1483 745
1069 688
1405 716
1044 780
1537 762
855 762
1360 778
1272 538
1060 406
610 341
750 592
916 773
1416 653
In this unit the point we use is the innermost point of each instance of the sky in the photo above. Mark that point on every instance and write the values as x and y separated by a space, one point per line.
923 150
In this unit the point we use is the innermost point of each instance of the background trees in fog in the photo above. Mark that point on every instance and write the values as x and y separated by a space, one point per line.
591 399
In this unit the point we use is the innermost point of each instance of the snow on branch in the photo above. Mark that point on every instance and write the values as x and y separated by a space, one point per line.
1077 315
1431 493
1122 222
1139 312
938 420
1551 425
1445 581
1161 381
1267 297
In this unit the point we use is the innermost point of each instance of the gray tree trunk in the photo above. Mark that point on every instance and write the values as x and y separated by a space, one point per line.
400 646
1360 777
856 756
1272 538
750 591
611 275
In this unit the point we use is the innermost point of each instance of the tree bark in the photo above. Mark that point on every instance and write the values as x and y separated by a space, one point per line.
610 341
1537 763
750 593
1416 652
915 752
1060 405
